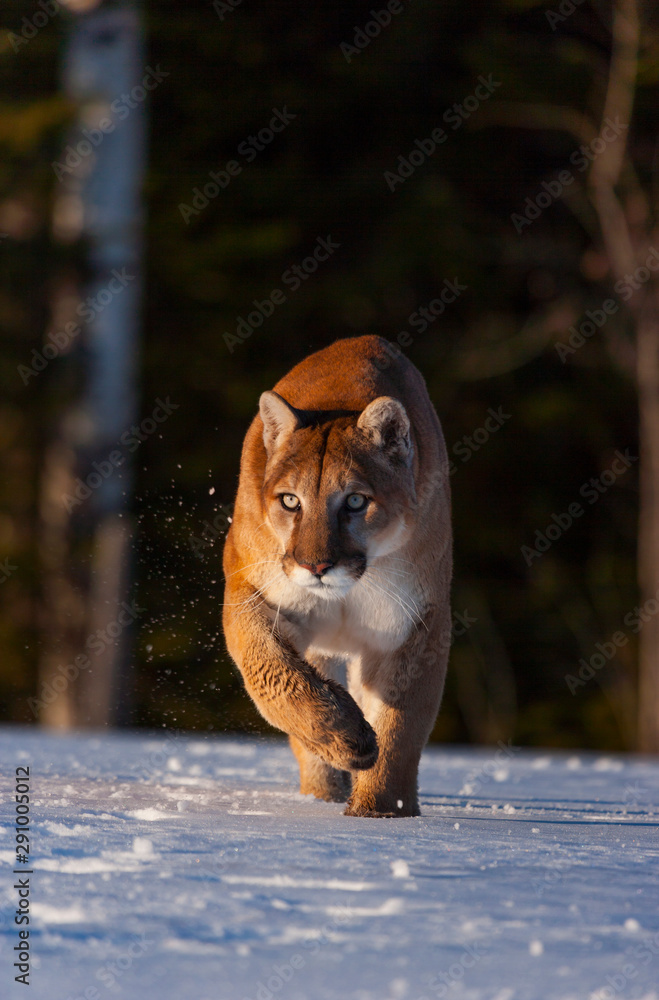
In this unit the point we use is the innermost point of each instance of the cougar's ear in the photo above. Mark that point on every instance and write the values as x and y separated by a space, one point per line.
278 418
386 423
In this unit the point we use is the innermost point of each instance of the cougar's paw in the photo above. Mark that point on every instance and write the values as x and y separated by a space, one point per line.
356 808
334 787
363 751
325 782
368 813
355 737
373 803
342 736
347 749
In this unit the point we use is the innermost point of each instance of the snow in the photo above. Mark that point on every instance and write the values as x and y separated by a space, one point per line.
180 867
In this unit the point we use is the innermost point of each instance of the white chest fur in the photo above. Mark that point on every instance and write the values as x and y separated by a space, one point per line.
378 613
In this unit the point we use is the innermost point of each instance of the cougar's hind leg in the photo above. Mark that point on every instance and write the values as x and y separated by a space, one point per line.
318 778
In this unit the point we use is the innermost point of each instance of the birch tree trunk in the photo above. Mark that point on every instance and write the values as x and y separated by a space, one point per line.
85 529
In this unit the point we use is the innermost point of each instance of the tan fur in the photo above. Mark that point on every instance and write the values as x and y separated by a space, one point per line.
339 619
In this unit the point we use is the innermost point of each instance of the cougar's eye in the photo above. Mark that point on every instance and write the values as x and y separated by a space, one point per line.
289 501
356 501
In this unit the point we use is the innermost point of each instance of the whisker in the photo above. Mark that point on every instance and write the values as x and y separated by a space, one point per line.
261 526
396 572
371 585
274 624
239 604
411 609
255 606
374 588
377 579
409 600
260 562
257 593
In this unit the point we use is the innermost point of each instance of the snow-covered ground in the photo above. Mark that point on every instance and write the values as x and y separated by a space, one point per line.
190 868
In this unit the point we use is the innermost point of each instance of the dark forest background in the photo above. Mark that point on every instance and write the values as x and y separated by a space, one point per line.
493 348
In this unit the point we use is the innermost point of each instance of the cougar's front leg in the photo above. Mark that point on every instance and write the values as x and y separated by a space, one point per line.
316 776
403 692
289 692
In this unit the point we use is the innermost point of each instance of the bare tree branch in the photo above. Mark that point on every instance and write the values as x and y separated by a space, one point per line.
607 166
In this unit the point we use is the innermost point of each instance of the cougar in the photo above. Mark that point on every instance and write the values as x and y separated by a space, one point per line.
338 567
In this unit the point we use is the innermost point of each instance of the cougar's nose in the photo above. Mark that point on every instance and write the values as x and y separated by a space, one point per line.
317 568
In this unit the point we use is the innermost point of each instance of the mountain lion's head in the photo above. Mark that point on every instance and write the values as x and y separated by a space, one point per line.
338 489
